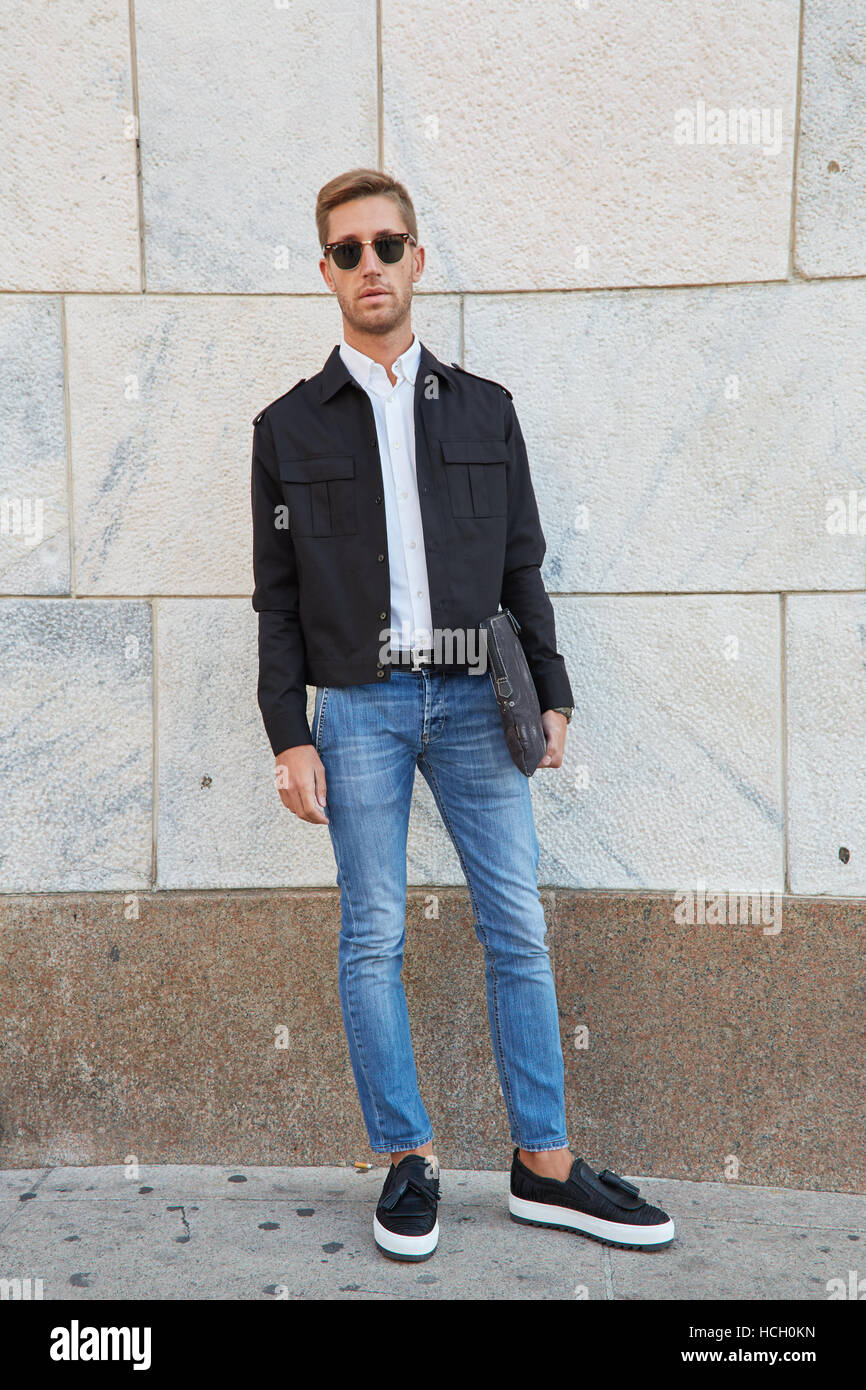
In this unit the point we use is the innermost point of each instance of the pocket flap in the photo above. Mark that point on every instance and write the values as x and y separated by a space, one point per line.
475 451
317 468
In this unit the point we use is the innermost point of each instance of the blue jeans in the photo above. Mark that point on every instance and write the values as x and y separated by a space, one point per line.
370 739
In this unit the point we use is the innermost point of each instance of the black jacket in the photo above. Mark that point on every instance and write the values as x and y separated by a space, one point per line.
322 585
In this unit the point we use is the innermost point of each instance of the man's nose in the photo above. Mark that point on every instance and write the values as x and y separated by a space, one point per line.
369 260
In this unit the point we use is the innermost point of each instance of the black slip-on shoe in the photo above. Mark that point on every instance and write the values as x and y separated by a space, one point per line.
406 1226
600 1205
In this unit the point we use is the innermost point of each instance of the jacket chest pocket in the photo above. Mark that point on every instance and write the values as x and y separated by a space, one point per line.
476 477
320 492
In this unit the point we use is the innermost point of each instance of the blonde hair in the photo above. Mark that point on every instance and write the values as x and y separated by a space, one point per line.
361 183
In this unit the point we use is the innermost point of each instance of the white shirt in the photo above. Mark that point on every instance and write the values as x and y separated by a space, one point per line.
394 412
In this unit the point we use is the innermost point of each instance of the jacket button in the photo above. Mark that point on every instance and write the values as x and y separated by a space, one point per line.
383 615
380 673
378 500
381 557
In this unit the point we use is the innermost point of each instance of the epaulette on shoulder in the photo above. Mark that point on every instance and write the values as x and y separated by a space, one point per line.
280 398
484 378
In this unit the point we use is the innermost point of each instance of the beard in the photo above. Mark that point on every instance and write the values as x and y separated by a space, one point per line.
381 320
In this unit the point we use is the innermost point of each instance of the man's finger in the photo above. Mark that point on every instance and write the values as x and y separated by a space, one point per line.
310 809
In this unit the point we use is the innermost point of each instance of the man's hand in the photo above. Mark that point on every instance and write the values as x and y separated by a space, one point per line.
300 779
555 726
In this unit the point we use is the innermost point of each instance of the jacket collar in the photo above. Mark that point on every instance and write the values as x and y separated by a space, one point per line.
335 374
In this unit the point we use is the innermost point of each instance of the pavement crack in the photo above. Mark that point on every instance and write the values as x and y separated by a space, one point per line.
21 1207
182 1240
608 1274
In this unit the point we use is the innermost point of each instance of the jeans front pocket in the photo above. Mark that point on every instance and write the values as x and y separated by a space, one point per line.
319 715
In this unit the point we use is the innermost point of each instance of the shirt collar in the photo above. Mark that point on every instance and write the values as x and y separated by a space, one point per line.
405 367
335 374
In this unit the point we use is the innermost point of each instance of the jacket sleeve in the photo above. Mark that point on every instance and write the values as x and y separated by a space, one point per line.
282 691
523 589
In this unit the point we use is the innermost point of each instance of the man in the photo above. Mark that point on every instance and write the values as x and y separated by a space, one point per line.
393 511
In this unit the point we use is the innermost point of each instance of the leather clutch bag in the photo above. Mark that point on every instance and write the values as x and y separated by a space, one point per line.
515 691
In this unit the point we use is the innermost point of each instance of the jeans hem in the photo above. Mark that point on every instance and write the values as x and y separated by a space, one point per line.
401 1145
541 1148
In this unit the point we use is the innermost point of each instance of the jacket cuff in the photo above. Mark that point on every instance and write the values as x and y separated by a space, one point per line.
288 729
552 685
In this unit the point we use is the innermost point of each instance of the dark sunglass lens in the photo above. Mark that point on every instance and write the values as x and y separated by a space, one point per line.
347 254
389 249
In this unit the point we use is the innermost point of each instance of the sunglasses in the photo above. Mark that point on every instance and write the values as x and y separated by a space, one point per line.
347 254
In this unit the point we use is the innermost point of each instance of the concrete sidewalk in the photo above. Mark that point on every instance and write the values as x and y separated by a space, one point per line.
305 1233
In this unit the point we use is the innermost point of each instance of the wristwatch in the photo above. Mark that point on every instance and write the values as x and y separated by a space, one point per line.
567 710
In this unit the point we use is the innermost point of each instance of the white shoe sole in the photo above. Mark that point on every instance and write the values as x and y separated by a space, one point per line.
611 1232
398 1247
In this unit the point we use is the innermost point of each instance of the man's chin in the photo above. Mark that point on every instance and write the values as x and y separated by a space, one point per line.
379 318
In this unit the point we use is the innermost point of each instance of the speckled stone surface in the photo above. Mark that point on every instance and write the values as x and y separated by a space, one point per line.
68 163
221 821
712 1041
290 1232
831 193
154 1036
76 745
244 115
826 718
574 120
673 762
34 502
691 440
